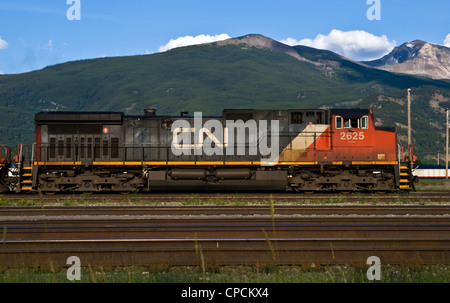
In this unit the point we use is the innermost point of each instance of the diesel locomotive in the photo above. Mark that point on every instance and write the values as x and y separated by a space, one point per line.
242 149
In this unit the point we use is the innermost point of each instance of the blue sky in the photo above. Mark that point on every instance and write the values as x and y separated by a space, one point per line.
37 33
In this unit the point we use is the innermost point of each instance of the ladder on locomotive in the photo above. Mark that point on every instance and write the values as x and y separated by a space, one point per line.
24 169
406 164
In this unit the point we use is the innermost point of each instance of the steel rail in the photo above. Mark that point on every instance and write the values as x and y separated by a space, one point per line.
196 210
226 240
214 252
226 228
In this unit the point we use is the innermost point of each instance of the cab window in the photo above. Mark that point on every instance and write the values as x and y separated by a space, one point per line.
351 123
338 122
365 122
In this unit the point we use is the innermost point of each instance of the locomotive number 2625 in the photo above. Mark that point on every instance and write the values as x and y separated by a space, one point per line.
352 136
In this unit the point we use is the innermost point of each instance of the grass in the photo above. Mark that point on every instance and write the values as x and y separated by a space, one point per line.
433 185
231 274
234 200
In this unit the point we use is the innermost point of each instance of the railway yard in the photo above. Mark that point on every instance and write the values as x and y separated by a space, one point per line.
108 190
225 229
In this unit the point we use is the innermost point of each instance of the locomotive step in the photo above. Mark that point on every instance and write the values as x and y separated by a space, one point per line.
405 187
404 181
27 181
26 188
27 175
27 168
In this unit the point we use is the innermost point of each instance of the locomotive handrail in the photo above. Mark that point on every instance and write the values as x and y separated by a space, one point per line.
6 159
98 151
19 154
33 150
410 155
8 154
152 145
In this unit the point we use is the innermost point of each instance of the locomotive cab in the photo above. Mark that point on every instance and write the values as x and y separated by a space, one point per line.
356 138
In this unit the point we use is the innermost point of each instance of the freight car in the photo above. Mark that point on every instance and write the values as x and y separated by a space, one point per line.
430 171
299 150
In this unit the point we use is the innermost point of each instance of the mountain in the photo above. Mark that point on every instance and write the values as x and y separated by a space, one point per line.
252 71
417 58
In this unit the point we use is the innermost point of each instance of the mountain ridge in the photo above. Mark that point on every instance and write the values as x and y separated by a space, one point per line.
417 58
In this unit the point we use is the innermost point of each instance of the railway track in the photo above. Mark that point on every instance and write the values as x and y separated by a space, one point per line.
163 228
249 210
236 251
240 197
211 236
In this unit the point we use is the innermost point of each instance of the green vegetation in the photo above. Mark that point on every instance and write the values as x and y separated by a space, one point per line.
433 185
136 200
227 274
211 78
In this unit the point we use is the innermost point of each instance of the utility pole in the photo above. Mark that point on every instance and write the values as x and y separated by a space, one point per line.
409 119
446 147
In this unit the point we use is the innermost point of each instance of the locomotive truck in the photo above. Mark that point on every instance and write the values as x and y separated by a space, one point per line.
304 150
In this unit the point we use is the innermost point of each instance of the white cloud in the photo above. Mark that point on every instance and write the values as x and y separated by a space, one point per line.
3 43
447 41
50 45
190 40
291 41
356 45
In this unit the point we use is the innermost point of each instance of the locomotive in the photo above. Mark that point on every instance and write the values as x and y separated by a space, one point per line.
304 150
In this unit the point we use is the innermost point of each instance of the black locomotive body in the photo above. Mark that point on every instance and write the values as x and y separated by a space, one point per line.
110 151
